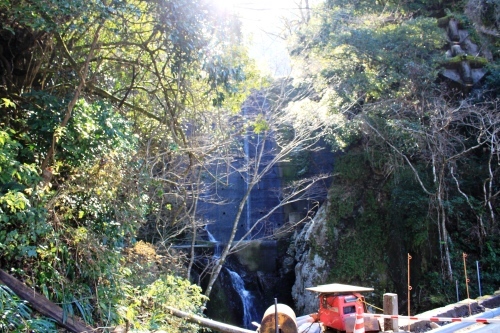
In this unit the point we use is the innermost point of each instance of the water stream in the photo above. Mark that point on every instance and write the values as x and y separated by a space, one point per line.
249 313
217 245
246 148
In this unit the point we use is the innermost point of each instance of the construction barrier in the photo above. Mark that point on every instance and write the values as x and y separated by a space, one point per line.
435 319
359 326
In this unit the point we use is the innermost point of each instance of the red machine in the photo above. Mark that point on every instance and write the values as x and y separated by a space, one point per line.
337 308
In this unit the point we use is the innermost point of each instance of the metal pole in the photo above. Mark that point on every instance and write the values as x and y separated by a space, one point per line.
456 287
409 291
464 255
276 326
478 278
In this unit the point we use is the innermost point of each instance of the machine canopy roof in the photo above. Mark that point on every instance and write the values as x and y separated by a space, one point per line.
337 288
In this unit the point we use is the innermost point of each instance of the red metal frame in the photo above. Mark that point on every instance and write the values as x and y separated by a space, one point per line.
334 309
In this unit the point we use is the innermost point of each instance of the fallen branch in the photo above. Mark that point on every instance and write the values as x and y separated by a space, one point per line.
205 322
44 306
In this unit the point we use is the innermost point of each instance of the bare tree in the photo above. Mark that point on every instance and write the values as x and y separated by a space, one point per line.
289 132
447 134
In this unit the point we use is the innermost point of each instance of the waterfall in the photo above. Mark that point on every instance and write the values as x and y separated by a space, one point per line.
217 247
249 312
246 149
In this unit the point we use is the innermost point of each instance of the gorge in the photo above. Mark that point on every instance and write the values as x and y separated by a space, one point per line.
147 162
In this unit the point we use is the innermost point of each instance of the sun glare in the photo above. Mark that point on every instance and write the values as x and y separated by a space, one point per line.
226 5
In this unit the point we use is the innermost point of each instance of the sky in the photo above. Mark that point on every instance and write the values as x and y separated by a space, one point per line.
263 23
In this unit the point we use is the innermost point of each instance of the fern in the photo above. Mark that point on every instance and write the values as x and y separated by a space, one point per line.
16 315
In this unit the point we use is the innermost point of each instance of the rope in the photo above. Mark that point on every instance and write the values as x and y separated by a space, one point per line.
362 301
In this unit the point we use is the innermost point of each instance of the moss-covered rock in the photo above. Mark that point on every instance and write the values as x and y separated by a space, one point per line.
455 62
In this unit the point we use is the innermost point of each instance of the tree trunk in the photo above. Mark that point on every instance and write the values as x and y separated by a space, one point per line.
225 253
69 110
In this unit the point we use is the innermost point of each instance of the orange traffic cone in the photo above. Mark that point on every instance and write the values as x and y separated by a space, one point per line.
359 325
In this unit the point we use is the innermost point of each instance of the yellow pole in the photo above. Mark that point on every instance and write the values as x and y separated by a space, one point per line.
464 255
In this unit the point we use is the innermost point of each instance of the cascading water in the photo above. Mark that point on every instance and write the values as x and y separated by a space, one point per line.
246 148
217 247
249 313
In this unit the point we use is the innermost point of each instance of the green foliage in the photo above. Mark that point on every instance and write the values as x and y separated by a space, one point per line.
375 221
493 78
367 58
16 316
357 239
421 7
489 260
364 241
355 223
484 13
7 103
22 223
12 170
95 131
153 300
260 124
52 16
414 151
341 134
384 60
353 167
224 77
436 292
103 137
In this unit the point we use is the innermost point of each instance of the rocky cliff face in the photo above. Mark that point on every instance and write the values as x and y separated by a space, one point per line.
310 268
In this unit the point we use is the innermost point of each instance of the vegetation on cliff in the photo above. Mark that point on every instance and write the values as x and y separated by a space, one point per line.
419 170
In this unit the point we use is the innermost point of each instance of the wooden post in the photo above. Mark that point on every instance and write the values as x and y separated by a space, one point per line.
391 308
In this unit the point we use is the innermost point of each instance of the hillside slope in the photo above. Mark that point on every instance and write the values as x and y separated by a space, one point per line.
419 170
